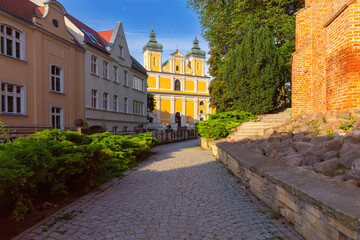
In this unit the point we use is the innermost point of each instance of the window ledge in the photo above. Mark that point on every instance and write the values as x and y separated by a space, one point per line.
138 90
94 74
127 86
19 59
105 78
116 82
14 114
61 93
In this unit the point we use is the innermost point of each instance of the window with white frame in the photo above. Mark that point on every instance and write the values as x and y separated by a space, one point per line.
94 64
57 117
56 79
106 70
105 101
12 98
126 105
115 129
115 103
94 98
116 76
126 78
11 41
138 83
138 107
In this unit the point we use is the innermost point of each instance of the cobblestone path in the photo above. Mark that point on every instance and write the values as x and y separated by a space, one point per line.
182 192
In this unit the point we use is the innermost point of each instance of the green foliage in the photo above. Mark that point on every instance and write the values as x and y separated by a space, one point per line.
225 23
219 125
19 212
275 214
252 72
150 102
3 132
56 162
346 125
313 122
329 131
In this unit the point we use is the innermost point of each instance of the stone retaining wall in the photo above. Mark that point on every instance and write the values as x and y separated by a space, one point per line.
320 208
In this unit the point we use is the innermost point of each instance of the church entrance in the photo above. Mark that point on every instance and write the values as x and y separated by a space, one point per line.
178 119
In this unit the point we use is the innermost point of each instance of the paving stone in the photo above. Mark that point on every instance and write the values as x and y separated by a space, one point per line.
182 192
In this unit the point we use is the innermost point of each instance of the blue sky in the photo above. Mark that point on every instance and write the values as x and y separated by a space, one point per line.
175 24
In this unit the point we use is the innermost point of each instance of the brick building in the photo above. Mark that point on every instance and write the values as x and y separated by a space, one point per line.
326 64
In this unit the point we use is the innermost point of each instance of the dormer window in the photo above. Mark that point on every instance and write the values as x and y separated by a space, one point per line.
121 51
11 42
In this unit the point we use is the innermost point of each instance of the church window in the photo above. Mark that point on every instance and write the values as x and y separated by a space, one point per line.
198 66
202 103
201 112
154 61
177 68
177 85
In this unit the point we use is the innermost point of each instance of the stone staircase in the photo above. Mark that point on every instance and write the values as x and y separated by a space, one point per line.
267 121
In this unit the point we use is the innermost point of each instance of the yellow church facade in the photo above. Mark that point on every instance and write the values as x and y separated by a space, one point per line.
180 86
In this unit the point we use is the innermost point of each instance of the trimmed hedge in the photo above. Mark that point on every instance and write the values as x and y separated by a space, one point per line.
219 125
56 162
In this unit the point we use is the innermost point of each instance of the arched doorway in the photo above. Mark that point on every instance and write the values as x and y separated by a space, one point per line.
178 119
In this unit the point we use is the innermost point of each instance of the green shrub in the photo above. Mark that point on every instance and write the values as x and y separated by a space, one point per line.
56 162
219 125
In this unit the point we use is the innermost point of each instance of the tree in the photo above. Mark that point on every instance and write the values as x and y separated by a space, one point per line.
225 23
252 72
150 102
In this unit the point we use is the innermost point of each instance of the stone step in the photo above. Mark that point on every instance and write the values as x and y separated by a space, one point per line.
262 125
276 117
255 131
250 129
274 120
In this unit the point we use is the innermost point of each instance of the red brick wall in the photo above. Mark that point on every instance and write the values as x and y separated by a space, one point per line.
326 63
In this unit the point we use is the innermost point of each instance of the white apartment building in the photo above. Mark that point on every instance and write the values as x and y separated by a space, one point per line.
115 83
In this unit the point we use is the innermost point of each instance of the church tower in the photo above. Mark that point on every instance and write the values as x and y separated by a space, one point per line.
196 59
179 85
153 54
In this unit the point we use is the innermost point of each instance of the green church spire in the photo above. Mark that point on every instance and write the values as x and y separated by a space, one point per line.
196 50
153 45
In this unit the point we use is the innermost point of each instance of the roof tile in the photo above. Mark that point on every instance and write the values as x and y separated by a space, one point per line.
23 9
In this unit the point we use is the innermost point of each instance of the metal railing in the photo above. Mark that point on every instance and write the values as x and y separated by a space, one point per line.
174 135
164 136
